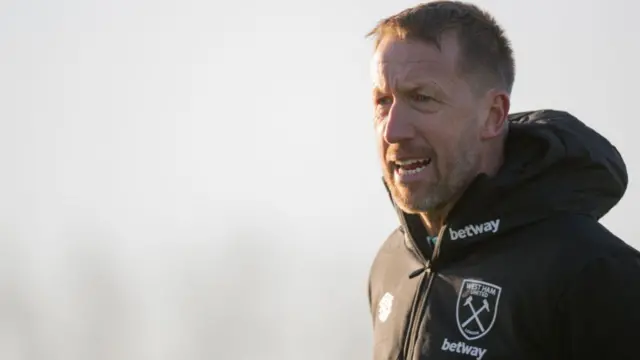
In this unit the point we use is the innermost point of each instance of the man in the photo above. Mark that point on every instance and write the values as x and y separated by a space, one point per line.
500 254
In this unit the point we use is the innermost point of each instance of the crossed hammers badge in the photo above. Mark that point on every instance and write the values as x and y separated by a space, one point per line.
477 308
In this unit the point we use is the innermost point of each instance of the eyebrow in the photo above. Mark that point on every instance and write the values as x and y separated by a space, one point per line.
414 86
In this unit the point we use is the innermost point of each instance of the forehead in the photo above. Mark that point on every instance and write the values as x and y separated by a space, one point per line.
405 61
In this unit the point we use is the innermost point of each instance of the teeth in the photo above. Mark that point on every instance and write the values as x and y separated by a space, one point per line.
413 171
413 161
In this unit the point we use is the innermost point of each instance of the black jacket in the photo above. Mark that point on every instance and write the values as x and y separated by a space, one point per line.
522 269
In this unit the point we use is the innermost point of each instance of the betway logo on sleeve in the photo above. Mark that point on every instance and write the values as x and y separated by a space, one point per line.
476 229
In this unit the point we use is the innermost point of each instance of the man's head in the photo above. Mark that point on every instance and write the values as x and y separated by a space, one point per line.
443 73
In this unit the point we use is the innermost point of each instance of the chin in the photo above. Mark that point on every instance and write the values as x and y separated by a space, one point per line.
408 201
417 201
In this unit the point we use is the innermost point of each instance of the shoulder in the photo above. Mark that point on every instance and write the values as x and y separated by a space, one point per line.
580 238
600 311
602 254
393 262
394 243
383 257
602 259
598 265
557 252
391 251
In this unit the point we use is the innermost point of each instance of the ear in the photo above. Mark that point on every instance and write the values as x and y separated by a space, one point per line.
498 104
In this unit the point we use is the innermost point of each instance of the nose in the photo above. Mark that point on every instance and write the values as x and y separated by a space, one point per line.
398 125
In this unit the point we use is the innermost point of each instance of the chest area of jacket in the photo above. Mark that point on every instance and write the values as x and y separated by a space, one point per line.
466 315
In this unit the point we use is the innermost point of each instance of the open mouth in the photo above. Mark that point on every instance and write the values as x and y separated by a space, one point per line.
412 166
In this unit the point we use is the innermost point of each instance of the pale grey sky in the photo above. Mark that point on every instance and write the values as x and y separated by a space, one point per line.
173 169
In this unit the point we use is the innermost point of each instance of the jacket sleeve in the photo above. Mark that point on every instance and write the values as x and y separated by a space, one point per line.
602 311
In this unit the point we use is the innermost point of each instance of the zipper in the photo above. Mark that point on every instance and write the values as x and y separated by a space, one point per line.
419 306
420 299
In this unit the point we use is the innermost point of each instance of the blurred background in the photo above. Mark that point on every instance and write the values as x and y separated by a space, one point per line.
198 180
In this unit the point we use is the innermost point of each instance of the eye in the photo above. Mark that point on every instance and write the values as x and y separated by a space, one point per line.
383 100
421 98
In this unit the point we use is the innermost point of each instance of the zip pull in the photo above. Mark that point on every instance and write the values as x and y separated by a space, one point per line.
419 271
416 272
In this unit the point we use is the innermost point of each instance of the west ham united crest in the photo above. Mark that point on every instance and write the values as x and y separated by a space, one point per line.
477 308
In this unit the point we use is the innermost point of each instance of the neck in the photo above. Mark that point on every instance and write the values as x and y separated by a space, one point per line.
434 220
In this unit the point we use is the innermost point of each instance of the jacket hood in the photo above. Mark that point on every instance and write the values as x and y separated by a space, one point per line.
552 163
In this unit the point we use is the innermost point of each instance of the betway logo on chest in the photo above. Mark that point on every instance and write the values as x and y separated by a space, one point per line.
462 348
476 229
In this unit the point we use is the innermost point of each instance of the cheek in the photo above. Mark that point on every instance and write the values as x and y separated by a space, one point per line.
378 127
379 136
444 143
444 157
382 149
435 131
